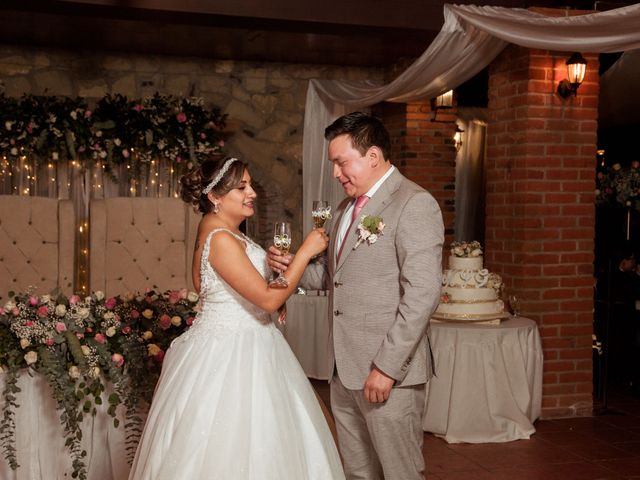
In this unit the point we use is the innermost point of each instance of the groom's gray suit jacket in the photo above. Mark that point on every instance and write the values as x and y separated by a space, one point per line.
382 295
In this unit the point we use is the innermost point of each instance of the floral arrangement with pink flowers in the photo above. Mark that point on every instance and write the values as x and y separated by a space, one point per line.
81 345
618 185
116 131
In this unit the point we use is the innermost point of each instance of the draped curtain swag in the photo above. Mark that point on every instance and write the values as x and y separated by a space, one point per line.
471 37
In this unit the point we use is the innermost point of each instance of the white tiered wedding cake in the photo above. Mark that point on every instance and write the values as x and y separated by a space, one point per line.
469 292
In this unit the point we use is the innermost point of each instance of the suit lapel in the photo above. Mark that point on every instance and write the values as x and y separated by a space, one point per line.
375 206
334 236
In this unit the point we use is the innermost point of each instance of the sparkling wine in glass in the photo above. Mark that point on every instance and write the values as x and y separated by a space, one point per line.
282 241
321 212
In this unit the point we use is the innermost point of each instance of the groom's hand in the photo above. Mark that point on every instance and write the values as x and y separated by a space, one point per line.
277 261
378 386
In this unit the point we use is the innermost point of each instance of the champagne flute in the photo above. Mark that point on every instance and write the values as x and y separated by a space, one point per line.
282 241
514 303
321 212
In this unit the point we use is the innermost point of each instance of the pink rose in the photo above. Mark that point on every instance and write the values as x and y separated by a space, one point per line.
74 299
135 313
138 108
189 321
178 159
33 301
15 311
1 311
100 338
29 323
125 153
221 143
181 117
60 327
29 129
80 335
88 330
203 136
49 342
635 164
110 303
174 296
165 321
87 113
43 311
126 329
117 359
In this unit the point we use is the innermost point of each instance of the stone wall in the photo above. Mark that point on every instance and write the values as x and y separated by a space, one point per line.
264 102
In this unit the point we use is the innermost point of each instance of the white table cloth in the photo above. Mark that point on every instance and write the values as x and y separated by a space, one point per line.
488 386
307 332
41 452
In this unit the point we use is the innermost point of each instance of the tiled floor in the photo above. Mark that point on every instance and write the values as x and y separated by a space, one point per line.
600 447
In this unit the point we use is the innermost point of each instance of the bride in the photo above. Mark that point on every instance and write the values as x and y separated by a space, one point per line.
232 401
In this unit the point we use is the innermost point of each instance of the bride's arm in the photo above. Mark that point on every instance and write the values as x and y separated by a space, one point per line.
229 259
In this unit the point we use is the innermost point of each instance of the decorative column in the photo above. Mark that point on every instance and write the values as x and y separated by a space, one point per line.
540 169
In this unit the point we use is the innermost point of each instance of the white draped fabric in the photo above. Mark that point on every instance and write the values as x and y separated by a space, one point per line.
470 39
40 448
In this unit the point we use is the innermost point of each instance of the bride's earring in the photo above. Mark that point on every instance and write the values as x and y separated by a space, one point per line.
216 207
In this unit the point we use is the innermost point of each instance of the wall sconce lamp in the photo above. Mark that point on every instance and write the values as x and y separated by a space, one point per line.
441 102
576 68
457 138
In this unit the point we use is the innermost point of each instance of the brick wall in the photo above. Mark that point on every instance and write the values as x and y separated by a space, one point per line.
540 212
424 151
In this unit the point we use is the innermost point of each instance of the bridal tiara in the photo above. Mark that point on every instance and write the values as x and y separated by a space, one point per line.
219 176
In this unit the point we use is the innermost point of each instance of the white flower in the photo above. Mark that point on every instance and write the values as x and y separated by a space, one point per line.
109 315
117 142
147 335
45 298
372 238
176 321
94 372
54 155
152 349
111 331
83 313
31 357
74 372
192 297
52 118
458 251
14 151
10 305
99 294
85 350
8 125
74 115
61 310
476 252
24 343
617 166
99 133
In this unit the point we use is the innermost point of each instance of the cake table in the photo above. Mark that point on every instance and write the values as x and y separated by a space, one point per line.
488 383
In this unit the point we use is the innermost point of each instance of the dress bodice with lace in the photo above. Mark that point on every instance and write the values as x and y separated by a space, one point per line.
222 310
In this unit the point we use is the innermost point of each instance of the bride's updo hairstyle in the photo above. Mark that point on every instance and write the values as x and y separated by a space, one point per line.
197 179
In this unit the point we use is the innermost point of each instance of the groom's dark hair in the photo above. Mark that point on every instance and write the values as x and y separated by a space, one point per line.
365 132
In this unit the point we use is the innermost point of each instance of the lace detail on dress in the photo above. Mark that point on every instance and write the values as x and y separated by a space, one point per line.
222 310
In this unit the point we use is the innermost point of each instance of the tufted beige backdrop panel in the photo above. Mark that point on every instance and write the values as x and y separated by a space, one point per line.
37 241
137 243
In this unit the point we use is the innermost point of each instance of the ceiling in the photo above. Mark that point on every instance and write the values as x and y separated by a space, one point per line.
349 32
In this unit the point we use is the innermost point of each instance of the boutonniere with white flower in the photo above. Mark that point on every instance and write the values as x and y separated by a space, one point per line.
369 229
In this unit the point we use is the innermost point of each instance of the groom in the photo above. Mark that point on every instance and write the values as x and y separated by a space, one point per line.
383 290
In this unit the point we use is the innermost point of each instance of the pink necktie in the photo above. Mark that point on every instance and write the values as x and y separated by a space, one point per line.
360 203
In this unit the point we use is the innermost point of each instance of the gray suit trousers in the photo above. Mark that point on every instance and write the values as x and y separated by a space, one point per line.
380 440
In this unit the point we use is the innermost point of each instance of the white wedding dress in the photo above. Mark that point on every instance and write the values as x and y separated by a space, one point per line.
233 402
